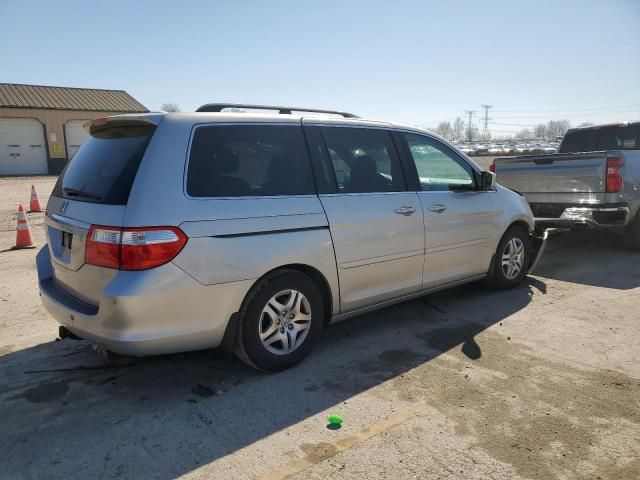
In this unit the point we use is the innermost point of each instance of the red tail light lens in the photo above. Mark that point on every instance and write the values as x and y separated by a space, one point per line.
144 248
103 247
492 167
133 248
614 181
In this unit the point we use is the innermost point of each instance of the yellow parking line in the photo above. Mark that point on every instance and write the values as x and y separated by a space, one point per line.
325 450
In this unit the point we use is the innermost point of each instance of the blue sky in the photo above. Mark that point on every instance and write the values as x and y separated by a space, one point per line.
410 61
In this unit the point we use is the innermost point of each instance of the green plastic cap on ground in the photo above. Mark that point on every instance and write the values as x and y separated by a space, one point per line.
335 419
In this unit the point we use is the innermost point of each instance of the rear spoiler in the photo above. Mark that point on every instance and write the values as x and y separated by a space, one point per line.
99 124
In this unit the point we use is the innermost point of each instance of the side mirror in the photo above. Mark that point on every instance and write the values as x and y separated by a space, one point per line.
487 180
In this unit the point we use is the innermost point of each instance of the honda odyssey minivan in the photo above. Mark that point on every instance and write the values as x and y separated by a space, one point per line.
170 232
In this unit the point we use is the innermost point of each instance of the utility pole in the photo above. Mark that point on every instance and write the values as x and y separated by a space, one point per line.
485 131
470 124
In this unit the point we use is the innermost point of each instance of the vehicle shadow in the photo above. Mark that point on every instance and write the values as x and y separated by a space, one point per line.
70 414
590 257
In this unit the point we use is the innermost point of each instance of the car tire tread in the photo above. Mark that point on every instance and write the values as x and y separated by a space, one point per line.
242 349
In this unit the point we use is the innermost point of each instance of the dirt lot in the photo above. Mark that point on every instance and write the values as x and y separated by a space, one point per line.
541 382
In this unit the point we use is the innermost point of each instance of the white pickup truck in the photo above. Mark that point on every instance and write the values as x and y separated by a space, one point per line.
593 180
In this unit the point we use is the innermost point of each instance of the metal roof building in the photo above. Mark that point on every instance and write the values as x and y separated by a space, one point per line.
41 126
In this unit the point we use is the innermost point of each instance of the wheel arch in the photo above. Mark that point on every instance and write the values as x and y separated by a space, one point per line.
515 223
316 276
230 336
518 223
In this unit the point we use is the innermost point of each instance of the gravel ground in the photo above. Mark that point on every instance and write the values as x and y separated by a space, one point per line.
540 382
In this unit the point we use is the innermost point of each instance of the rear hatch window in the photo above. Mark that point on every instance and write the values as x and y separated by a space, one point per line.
616 137
103 169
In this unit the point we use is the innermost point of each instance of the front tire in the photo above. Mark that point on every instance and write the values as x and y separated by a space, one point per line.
512 259
280 320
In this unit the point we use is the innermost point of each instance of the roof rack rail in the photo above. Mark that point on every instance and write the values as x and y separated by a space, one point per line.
218 107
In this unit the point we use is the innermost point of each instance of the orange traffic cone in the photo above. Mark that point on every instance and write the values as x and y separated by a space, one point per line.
34 204
23 232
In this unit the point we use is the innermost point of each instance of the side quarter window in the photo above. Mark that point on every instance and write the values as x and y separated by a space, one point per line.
248 161
439 168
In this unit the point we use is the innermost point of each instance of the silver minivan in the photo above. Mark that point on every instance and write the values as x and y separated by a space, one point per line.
253 231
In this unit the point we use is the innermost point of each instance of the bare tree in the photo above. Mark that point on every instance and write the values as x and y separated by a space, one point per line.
524 134
170 107
540 131
444 129
557 128
458 128
471 133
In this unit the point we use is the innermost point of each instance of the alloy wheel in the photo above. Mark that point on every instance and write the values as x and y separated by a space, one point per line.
284 322
513 258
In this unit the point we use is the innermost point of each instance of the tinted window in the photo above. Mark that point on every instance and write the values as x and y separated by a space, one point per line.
363 160
439 167
103 169
604 138
248 160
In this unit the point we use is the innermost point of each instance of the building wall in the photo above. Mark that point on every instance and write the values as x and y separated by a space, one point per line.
53 122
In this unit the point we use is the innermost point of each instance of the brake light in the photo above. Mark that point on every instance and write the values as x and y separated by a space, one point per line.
103 247
492 167
614 181
133 248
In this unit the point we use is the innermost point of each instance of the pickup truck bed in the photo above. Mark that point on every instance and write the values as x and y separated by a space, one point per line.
581 188
568 189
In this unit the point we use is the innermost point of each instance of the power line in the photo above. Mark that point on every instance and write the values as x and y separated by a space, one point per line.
630 106
515 124
572 115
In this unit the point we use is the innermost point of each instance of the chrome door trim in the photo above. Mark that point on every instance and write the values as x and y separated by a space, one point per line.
360 311
71 225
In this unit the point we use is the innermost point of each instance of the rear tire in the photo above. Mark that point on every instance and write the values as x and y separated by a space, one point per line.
512 259
280 321
632 234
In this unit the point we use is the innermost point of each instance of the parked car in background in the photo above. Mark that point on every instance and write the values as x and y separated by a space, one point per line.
175 232
593 180
467 150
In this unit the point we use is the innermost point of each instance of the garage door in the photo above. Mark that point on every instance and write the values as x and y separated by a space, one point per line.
22 147
74 136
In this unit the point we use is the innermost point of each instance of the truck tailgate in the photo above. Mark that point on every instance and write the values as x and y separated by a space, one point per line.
564 173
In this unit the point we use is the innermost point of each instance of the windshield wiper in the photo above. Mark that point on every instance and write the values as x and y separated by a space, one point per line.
72 192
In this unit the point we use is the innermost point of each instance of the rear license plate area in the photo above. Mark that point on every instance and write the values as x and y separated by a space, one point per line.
66 243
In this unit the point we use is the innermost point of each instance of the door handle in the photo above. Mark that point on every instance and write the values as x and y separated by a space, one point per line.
405 210
438 208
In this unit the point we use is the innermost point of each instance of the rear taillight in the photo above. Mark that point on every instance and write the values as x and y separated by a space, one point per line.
492 167
133 248
614 181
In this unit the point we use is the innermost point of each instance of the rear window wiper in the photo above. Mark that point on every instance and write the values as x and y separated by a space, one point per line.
72 192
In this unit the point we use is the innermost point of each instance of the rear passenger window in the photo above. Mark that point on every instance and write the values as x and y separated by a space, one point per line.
248 160
363 160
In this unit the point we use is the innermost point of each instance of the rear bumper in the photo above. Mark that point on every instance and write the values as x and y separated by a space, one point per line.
157 311
590 216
